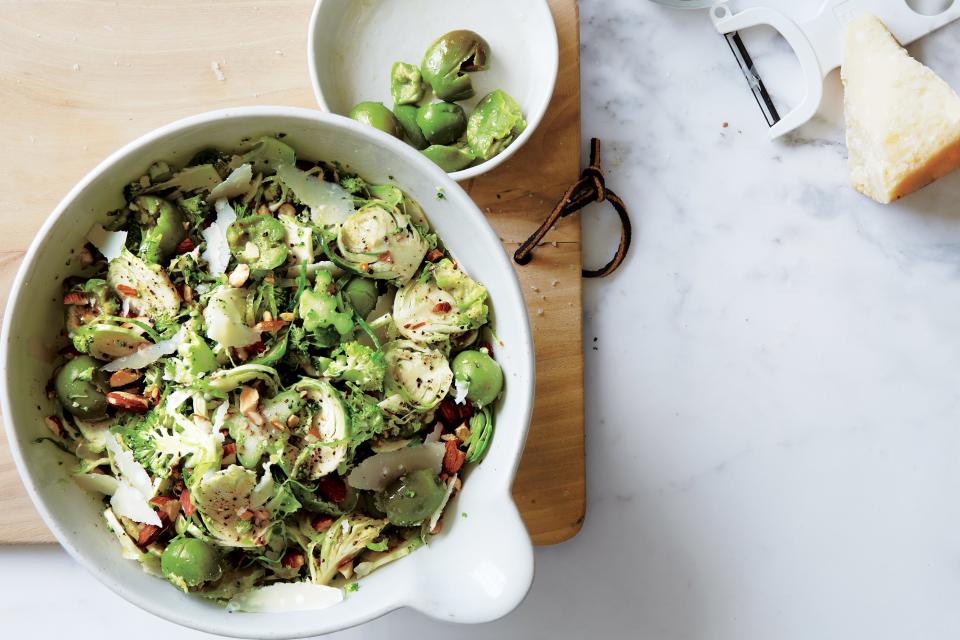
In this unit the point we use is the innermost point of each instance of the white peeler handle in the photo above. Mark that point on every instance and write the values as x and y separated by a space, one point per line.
818 42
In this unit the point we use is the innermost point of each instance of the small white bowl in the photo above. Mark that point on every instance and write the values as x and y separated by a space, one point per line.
351 45
477 570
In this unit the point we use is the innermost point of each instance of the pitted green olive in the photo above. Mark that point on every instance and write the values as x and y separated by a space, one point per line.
449 158
449 58
481 374
411 499
190 562
442 122
361 294
162 227
406 83
406 115
377 116
82 387
494 124
259 241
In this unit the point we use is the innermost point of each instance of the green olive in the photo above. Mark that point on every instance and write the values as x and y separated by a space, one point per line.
494 124
407 117
481 374
82 387
449 58
377 116
413 498
449 158
162 228
259 241
361 294
191 562
442 122
406 83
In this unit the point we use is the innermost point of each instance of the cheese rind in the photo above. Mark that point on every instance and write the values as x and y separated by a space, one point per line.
903 121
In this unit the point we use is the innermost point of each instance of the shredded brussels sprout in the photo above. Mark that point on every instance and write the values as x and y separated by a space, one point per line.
258 374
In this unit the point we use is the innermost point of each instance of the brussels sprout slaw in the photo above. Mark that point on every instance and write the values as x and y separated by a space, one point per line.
275 374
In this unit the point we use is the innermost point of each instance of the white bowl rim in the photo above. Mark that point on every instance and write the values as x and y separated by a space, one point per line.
109 163
533 117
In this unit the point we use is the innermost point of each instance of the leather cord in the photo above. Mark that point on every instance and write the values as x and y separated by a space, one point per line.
591 187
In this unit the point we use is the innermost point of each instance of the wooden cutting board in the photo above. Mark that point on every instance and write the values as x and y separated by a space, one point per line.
80 79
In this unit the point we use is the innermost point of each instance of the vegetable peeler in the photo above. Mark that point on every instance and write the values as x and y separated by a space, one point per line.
817 43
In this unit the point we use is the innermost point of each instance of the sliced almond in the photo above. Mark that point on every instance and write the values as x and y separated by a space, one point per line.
462 432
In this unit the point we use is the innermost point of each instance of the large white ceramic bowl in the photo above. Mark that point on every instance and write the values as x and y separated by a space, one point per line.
351 45
477 570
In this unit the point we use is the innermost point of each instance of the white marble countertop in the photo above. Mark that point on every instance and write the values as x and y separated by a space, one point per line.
772 396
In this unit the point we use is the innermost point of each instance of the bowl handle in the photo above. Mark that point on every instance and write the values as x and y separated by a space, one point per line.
482 573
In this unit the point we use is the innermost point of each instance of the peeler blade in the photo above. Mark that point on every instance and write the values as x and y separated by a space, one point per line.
754 81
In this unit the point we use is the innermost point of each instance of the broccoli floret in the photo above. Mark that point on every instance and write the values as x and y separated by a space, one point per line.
162 438
359 364
366 418
318 307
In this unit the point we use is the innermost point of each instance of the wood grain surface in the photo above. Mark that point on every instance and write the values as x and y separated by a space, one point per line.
80 78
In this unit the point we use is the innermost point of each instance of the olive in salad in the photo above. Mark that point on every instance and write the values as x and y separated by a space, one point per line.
275 374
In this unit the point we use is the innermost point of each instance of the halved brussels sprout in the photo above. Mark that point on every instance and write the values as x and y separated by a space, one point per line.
448 59
107 341
443 302
155 296
494 124
162 228
406 83
417 379
259 241
381 243
222 499
226 380
323 428
253 441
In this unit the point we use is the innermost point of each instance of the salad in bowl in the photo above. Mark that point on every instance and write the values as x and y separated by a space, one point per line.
273 373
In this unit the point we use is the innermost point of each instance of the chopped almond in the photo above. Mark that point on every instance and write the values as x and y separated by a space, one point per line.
127 291
269 325
55 425
452 457
442 307
239 276
123 377
127 401
249 399
293 560
462 432
75 298
187 504
185 246
287 209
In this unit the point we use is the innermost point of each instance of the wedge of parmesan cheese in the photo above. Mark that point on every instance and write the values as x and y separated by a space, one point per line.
903 121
